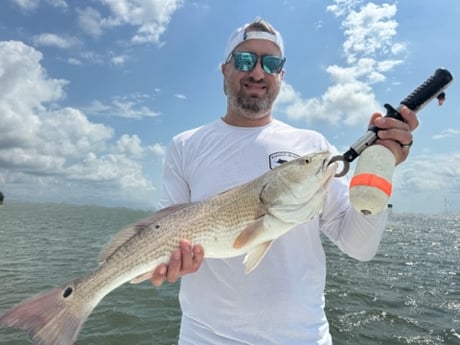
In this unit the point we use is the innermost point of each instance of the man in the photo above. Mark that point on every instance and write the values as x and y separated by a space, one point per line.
282 300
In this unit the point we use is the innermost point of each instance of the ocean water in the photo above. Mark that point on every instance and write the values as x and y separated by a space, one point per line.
409 294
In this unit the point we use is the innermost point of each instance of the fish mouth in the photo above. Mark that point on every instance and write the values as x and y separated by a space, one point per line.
329 168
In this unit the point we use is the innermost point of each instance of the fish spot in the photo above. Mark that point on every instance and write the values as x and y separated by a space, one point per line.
67 292
157 226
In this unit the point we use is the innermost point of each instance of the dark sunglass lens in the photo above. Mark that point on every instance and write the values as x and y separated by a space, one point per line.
272 64
244 61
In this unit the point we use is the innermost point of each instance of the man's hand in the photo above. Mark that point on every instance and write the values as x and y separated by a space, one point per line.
185 260
395 134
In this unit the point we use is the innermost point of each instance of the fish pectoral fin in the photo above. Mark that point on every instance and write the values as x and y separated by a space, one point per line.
143 277
255 255
250 234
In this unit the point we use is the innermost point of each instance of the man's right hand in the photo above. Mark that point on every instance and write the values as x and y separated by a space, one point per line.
185 260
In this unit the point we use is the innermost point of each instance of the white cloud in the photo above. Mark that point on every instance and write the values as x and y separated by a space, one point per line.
448 133
341 7
130 146
48 152
27 4
93 57
348 101
150 18
60 41
369 50
58 3
74 61
369 31
24 89
90 21
131 106
435 174
30 5
101 59
158 150
119 60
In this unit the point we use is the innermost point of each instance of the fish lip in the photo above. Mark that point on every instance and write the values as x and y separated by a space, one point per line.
326 161
328 167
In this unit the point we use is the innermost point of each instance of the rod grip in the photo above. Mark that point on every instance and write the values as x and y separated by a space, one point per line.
432 87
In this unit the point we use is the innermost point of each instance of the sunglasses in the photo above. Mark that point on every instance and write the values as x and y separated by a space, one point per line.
246 62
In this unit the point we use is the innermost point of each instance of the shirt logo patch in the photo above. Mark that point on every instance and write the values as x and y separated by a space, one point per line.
278 158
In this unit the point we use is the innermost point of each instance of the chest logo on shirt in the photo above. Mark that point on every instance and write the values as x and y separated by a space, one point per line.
277 158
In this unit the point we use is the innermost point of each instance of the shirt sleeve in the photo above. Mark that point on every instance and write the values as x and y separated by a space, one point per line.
355 234
175 189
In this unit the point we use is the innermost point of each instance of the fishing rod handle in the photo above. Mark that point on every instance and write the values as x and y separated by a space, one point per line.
420 97
428 90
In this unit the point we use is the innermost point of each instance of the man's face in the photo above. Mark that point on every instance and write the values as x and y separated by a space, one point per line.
252 93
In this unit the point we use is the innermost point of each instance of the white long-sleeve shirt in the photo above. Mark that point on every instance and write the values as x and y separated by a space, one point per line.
282 300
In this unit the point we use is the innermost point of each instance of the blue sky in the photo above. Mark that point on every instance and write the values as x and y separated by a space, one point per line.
91 92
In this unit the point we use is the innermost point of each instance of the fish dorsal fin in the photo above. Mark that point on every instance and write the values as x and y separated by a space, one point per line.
250 234
255 255
129 232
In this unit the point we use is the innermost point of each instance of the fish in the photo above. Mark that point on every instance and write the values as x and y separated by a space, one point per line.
244 220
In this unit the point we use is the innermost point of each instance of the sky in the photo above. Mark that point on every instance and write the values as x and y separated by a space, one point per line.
92 92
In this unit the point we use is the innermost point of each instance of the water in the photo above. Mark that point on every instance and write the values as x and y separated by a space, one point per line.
409 294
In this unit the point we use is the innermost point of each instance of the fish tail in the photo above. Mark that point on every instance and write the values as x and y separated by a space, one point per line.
50 318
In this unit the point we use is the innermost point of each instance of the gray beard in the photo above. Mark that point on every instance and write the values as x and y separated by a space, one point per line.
252 107
249 107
